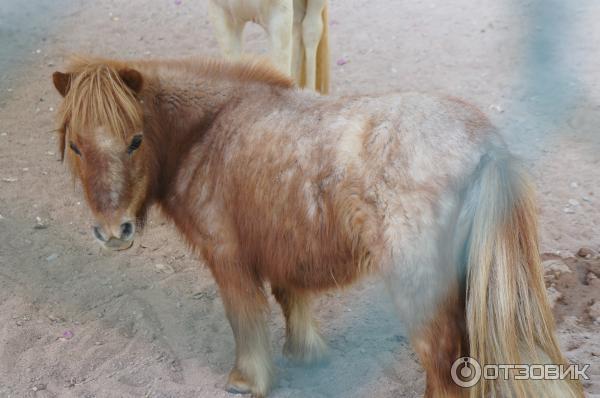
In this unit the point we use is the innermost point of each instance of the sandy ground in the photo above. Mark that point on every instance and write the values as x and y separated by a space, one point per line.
77 322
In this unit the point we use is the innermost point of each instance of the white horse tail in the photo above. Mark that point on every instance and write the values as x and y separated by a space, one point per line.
509 320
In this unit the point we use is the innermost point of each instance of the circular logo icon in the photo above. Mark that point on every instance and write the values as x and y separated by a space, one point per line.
466 372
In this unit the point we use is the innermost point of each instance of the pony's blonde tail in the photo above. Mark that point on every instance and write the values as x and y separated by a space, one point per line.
509 319
322 70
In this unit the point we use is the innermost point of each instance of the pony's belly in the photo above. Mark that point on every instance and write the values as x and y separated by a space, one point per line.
313 277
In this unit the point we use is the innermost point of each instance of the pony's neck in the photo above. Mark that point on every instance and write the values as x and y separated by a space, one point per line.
181 100
175 119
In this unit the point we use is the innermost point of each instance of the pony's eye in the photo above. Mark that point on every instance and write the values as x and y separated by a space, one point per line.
136 141
74 148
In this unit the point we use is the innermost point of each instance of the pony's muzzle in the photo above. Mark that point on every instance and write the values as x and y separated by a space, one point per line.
121 240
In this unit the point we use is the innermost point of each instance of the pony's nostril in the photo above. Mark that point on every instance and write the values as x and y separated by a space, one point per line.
127 230
98 234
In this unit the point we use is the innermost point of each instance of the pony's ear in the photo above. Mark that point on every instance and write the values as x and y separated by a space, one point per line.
132 78
62 82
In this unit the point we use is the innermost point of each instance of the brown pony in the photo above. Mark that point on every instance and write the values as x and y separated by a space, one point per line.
269 184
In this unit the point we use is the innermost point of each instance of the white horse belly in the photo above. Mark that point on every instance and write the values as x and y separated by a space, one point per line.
247 10
257 11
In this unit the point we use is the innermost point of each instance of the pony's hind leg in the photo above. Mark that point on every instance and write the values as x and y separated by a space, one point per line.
439 342
303 340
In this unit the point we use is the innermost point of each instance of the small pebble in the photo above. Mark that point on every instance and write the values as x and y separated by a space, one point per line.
341 61
68 335
497 108
165 268
586 252
10 179
568 210
40 224
52 257
39 387
38 51
574 184
573 202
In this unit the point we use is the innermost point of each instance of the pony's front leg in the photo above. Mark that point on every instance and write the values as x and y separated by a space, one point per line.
253 370
228 30
312 29
280 32
246 306
303 340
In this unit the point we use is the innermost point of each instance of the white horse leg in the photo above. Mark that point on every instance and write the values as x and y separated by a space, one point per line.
280 32
297 49
227 29
312 28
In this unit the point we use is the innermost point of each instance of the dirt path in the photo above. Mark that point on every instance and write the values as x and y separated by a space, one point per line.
76 322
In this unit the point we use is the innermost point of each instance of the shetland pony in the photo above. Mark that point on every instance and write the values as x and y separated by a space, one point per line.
298 33
269 184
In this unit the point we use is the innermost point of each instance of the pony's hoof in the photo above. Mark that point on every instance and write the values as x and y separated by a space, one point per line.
237 389
237 383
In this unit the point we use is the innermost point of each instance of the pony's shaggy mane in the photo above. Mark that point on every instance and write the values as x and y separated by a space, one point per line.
252 69
98 96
